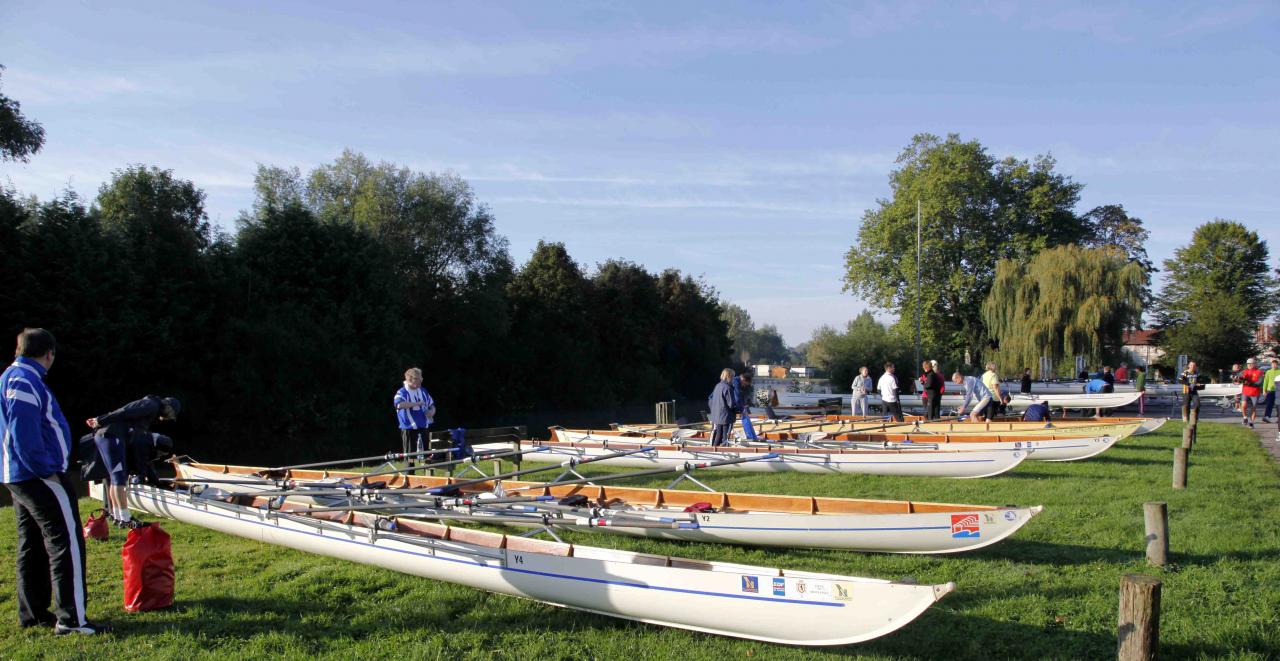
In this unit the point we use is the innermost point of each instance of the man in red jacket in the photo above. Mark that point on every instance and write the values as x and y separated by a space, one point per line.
1250 391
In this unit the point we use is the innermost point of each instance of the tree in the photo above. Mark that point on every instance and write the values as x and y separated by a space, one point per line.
1111 226
976 210
695 345
628 295
553 334
1219 288
1065 301
865 342
20 138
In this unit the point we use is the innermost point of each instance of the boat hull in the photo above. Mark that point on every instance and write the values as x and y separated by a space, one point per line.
935 463
758 603
919 531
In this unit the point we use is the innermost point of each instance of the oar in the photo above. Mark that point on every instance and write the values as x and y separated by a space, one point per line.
338 490
389 457
687 467
478 456
527 471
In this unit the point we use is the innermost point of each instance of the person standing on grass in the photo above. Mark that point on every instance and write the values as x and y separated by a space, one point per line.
931 391
743 393
720 408
34 457
888 387
1192 383
1250 391
1140 386
861 387
974 391
991 379
1269 382
415 411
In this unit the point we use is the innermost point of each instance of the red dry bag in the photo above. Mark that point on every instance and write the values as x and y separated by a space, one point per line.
148 569
96 526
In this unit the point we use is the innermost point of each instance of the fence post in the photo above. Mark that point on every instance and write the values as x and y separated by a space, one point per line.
1156 519
1179 468
1138 630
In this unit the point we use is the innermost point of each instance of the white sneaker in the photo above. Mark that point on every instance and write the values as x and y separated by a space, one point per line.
88 629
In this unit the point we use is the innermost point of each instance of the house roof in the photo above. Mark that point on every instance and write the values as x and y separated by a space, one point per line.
1139 338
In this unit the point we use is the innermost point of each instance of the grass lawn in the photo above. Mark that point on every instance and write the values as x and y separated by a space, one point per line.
1048 592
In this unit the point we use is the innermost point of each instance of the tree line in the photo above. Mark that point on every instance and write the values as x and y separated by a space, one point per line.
1011 272
293 332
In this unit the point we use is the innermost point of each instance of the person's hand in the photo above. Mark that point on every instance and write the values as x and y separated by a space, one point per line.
92 422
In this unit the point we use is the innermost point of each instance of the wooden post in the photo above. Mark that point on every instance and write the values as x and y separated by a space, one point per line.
515 447
1138 631
1179 468
1156 519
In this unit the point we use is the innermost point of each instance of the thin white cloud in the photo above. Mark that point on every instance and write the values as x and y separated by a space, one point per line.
29 86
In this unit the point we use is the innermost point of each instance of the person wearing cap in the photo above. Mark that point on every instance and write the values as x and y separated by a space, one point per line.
130 426
1250 390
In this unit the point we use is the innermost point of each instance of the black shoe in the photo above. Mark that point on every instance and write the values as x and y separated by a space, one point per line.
88 629
46 620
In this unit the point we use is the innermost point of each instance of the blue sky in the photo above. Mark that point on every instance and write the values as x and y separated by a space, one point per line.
740 141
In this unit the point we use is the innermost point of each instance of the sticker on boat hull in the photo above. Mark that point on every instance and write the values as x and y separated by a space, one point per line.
965 525
779 587
1010 515
842 591
750 584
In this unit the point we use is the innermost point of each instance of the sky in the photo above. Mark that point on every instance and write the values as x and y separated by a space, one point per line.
737 141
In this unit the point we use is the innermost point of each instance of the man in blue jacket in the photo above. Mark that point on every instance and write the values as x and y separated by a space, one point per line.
33 465
721 408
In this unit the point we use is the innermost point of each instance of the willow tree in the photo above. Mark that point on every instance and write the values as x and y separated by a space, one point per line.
1064 301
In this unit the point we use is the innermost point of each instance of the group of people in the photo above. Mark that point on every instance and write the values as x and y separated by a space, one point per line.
1256 385
984 397
36 457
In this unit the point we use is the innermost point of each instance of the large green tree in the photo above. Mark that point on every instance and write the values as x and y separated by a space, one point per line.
1219 288
20 137
1065 301
976 211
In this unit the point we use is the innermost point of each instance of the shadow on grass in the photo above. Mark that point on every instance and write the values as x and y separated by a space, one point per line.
1129 461
1032 552
946 634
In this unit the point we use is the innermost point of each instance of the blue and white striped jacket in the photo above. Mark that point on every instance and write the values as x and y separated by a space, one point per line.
37 438
414 418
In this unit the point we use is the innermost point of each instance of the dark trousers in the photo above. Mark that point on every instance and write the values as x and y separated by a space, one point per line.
932 405
1271 403
719 434
412 439
50 551
894 409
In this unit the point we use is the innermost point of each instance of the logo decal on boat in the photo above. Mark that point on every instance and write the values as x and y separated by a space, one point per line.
988 518
779 587
964 525
843 591
800 587
1010 515
750 584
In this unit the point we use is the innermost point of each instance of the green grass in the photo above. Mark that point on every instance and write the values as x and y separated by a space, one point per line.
1048 592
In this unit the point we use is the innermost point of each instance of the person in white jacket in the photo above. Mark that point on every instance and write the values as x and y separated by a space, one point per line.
888 387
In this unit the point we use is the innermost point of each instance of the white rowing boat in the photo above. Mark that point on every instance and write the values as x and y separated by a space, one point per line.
1017 401
1043 445
917 462
1152 389
886 526
743 601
